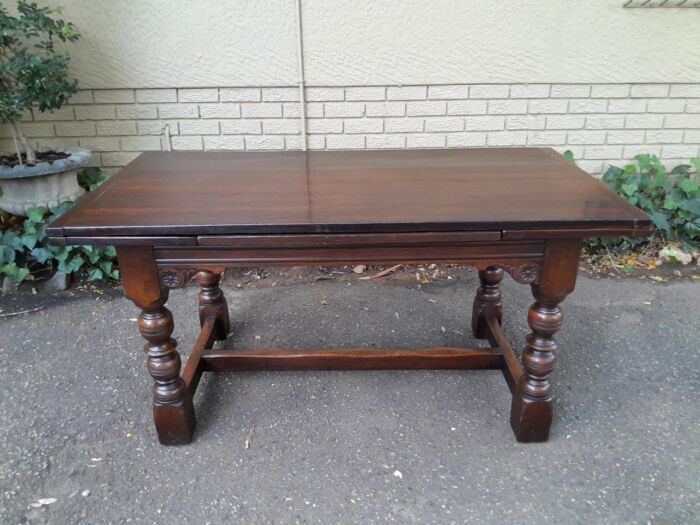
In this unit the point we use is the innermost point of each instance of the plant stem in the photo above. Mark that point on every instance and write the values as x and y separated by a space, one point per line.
14 139
28 150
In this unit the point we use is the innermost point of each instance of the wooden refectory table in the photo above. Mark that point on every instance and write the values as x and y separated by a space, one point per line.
178 215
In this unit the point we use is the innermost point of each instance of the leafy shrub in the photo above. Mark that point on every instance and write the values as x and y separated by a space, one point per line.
672 200
33 73
24 248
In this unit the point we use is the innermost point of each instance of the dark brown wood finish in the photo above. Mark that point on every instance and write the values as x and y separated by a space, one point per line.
487 303
212 302
226 193
179 216
173 411
353 359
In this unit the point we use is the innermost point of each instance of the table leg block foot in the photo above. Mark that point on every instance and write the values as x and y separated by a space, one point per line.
530 419
175 423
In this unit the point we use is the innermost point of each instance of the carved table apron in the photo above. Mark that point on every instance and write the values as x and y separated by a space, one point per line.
183 215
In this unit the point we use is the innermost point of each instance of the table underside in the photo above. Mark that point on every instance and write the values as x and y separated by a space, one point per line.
523 260
548 265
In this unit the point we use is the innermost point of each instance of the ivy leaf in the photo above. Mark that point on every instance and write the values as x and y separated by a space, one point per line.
21 274
41 254
7 254
611 174
691 205
13 240
692 229
62 253
76 262
94 274
695 161
36 214
106 267
29 241
681 169
60 209
71 266
630 189
669 203
688 186
14 272
114 275
661 222
92 253
29 226
644 161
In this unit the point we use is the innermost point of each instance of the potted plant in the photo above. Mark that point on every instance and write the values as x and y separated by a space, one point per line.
34 76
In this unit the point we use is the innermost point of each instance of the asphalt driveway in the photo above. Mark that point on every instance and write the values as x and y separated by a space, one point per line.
354 447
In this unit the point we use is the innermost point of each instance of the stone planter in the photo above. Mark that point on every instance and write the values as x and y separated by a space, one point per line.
44 184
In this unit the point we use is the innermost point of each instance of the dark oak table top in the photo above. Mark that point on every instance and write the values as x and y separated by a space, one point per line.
224 193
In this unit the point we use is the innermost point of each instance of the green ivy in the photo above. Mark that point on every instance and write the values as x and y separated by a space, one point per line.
24 247
671 198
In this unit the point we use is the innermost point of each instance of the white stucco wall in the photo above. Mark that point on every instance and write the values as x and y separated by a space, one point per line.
588 76
208 43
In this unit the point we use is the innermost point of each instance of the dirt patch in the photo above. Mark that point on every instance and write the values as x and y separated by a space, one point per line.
41 156
266 277
663 273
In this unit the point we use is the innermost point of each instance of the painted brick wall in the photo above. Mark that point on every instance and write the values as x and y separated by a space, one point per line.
600 123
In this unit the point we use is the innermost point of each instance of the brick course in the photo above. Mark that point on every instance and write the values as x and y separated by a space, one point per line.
601 124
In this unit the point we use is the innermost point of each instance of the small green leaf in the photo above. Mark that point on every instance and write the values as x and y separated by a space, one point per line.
62 253
60 209
669 203
7 254
41 254
29 226
688 186
681 169
92 253
14 272
29 241
644 161
110 252
630 189
691 205
36 214
76 263
106 267
12 240
695 161
661 222
94 274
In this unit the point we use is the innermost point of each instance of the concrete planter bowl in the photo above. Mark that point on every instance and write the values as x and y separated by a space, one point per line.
44 184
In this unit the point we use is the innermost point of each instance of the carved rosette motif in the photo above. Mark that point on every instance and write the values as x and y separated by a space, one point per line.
526 273
175 277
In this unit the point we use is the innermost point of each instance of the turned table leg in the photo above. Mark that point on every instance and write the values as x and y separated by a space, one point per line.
487 301
173 411
212 302
531 411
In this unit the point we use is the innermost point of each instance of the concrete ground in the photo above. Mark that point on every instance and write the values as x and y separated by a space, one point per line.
354 447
